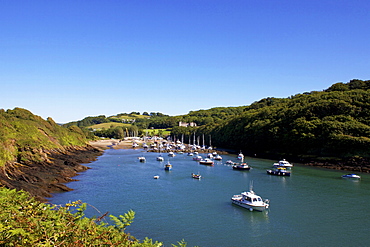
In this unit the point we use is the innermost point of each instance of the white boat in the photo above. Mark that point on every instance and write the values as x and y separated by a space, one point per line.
243 166
160 158
197 158
240 156
283 163
217 157
156 177
351 176
171 154
230 162
250 200
206 161
142 159
197 176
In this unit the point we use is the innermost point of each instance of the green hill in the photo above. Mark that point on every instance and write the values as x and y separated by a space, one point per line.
23 136
333 124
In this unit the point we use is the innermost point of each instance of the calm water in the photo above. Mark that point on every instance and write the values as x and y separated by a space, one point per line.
312 207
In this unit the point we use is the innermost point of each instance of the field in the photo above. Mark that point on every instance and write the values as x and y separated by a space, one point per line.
108 125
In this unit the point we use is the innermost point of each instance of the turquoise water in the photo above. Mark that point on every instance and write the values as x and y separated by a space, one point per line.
312 207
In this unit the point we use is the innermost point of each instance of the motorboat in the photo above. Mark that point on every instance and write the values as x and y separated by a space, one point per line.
251 201
240 156
197 176
190 154
171 154
230 162
210 155
280 171
217 157
206 161
351 176
283 163
168 166
197 158
142 159
160 158
156 177
242 166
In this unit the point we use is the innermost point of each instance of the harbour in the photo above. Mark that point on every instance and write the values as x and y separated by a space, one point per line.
311 207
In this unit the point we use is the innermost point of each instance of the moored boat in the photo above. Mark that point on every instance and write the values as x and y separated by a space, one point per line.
197 158
250 200
240 156
351 176
206 161
168 166
242 166
160 158
197 176
230 162
283 163
142 159
171 154
280 171
156 177
218 157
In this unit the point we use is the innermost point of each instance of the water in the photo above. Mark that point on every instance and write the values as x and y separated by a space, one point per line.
312 207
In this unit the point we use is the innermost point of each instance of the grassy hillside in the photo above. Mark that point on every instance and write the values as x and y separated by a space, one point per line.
23 135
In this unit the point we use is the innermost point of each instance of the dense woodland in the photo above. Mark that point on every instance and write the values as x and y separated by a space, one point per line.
333 123
330 123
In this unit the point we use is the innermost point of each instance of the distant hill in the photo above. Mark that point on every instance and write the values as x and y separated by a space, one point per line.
330 123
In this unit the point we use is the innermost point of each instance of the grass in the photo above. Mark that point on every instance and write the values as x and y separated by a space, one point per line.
108 125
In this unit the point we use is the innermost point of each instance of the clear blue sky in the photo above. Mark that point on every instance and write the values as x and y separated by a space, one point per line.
75 58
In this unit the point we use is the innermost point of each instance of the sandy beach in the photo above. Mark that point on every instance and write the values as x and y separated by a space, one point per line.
113 143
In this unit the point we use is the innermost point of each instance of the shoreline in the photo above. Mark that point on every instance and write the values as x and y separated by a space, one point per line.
351 165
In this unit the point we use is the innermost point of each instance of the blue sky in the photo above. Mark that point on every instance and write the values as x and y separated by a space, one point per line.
71 59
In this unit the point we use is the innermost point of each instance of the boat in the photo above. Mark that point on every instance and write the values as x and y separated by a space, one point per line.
160 158
142 159
156 177
351 176
242 166
240 156
283 163
230 162
210 155
197 176
168 166
251 201
217 157
190 154
280 171
206 161
171 154
197 158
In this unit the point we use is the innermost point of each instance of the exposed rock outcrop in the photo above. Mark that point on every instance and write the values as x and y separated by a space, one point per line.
55 168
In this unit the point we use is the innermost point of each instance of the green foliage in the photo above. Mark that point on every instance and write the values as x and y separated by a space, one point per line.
124 220
27 222
23 134
332 123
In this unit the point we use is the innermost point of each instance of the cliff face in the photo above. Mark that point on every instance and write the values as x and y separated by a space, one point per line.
41 178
